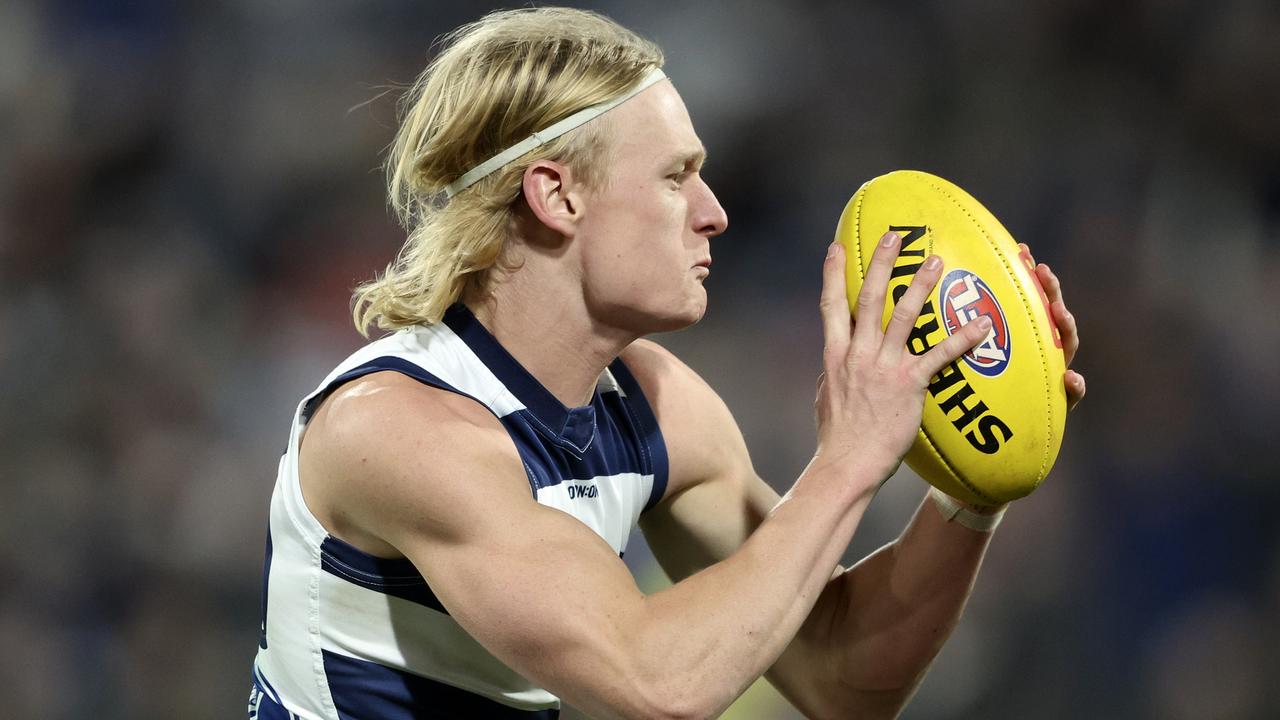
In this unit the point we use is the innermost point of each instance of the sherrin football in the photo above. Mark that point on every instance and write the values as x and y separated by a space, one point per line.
993 420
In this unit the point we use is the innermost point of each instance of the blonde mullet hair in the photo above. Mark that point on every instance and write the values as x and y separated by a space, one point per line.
495 82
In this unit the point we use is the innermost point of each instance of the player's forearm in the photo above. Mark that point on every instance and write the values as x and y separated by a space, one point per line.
715 632
903 602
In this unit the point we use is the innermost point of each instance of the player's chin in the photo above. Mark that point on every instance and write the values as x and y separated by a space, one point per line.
695 305
687 312
696 312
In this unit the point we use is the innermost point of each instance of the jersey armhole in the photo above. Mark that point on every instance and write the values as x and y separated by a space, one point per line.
641 413
404 367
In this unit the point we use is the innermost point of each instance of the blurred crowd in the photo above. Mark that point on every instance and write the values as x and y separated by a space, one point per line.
188 192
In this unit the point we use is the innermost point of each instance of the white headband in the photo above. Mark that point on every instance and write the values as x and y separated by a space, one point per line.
544 136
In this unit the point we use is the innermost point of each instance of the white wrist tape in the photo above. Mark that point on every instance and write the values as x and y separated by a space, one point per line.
953 511
546 135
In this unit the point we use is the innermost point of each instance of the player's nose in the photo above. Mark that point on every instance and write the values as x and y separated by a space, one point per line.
709 217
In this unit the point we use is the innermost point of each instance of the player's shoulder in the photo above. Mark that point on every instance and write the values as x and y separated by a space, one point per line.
385 406
700 432
389 436
661 374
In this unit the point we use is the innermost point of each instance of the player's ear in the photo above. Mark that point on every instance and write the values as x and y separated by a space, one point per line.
552 195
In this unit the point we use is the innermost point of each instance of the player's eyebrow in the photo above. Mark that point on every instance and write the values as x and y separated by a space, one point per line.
689 158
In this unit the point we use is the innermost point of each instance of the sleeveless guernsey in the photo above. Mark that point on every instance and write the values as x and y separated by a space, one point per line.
348 635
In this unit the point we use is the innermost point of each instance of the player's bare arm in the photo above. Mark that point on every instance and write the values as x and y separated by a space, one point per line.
876 627
382 463
449 513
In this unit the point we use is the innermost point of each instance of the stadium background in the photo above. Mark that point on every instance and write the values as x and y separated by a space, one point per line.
188 191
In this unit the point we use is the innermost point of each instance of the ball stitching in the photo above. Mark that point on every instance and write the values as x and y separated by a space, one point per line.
1044 460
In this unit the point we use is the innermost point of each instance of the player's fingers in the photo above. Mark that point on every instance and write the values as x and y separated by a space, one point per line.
1066 323
871 296
1074 382
1050 282
950 349
834 305
1026 249
908 308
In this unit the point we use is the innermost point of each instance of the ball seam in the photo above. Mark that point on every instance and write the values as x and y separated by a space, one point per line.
857 224
942 459
857 233
1044 366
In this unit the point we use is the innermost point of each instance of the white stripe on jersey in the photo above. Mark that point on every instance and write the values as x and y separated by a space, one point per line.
592 502
311 610
366 624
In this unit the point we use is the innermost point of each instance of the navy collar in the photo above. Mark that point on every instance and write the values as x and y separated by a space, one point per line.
570 428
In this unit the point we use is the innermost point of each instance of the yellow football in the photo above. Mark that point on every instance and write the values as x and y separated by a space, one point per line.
993 420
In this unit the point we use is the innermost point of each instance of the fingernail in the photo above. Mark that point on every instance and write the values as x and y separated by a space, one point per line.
889 239
984 323
832 248
932 263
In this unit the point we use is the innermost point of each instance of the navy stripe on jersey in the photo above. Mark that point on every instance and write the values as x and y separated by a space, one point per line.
646 428
608 452
390 576
378 364
613 443
570 428
393 364
364 690
264 704
265 684
266 579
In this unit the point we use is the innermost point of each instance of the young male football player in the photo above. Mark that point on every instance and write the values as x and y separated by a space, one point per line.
449 516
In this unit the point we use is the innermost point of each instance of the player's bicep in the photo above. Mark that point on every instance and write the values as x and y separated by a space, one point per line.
534 585
444 485
715 498
707 522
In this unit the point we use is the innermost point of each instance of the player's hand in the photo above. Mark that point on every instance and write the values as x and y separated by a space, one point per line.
1066 323
871 393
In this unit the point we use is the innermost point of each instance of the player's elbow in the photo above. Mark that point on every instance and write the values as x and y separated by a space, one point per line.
637 685
631 700
641 669
684 712
675 690
670 701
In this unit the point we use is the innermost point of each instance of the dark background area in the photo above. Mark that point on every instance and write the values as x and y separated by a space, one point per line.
189 190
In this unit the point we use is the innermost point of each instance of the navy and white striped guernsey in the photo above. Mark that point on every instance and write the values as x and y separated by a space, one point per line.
348 635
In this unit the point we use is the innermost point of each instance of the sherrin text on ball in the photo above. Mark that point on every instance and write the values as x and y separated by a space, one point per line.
993 420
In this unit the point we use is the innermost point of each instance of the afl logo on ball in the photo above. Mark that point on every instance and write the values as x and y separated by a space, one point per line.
962 298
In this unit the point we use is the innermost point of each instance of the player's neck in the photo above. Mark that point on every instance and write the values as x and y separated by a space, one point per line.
557 342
